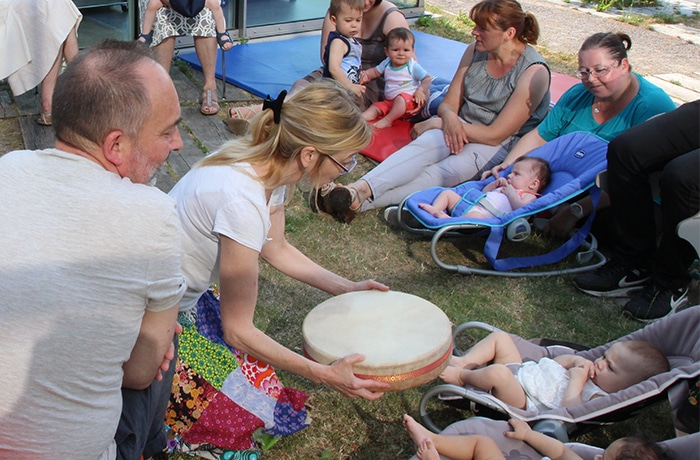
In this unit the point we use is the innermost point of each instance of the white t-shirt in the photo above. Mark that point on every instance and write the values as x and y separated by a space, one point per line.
213 201
83 253
404 79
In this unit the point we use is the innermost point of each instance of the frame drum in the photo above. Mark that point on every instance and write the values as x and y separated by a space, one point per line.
407 341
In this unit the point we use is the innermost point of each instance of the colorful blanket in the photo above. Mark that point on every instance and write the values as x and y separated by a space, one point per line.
223 399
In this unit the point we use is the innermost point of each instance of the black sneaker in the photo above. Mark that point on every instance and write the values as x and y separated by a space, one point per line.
655 302
612 280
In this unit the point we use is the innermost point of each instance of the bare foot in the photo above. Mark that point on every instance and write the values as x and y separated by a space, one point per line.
418 432
452 375
427 451
383 123
433 210
423 126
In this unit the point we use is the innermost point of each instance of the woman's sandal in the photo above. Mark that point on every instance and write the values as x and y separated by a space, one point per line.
242 113
146 39
224 40
210 106
44 119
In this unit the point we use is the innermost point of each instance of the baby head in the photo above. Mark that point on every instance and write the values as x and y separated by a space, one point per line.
633 448
530 173
399 46
627 363
346 16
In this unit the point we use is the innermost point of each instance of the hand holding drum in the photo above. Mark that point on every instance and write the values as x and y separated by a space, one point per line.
406 340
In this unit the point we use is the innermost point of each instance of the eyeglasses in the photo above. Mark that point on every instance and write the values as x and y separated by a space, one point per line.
583 74
347 167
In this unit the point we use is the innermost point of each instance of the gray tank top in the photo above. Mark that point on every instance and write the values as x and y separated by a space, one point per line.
485 96
373 46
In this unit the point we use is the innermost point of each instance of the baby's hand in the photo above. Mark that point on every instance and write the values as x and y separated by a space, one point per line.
358 90
520 429
581 373
364 78
419 97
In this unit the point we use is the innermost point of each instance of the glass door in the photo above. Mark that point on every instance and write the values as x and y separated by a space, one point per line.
106 19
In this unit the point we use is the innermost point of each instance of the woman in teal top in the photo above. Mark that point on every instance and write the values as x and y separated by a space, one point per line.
609 100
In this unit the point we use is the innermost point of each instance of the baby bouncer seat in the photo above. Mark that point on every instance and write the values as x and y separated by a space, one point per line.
575 159
677 336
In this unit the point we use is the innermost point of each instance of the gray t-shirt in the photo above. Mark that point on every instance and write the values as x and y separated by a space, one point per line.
83 253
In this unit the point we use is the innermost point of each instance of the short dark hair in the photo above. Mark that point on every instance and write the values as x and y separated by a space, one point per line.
541 167
100 91
399 33
337 5
641 447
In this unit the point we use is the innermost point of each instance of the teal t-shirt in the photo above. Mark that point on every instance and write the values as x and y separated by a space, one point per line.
573 112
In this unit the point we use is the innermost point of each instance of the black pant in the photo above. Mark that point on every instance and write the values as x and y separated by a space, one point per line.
667 143
141 429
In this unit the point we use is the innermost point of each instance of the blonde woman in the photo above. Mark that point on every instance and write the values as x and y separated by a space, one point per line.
231 206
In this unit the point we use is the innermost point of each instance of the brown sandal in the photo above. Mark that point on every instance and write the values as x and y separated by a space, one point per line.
210 106
44 119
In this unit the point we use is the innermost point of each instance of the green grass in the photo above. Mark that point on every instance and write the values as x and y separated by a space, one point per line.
354 429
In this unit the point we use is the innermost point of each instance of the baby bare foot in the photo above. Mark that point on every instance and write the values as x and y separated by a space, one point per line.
452 375
427 451
383 123
423 126
418 432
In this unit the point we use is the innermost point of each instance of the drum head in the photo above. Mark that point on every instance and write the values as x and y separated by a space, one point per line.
407 341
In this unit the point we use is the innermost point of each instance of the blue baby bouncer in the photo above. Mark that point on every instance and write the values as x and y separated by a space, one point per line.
575 160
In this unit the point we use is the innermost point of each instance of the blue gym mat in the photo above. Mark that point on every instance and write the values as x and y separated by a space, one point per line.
270 67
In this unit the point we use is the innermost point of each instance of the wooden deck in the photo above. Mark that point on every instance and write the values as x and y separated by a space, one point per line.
200 134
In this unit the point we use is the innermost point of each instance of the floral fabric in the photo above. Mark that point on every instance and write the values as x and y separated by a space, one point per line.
223 399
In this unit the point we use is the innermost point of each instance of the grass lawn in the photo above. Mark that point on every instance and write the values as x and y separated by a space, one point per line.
542 307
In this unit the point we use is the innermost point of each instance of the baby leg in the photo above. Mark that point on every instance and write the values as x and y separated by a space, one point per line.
217 13
445 201
398 108
371 113
457 447
499 381
497 347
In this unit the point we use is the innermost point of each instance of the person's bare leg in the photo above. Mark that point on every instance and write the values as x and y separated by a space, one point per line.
67 51
164 52
445 201
495 378
425 125
70 46
47 86
457 447
219 21
398 108
205 47
371 113
497 347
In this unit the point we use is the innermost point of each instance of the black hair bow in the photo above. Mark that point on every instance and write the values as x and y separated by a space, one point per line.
275 105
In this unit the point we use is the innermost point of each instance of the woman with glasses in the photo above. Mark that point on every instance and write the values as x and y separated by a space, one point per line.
609 100
231 207
499 92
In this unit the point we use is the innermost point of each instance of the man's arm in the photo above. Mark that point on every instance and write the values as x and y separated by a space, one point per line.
152 344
